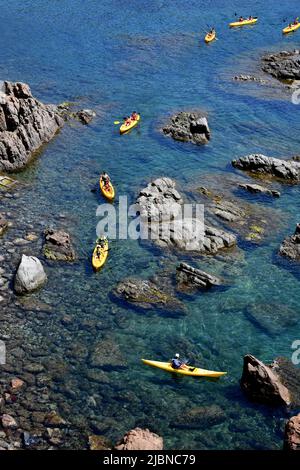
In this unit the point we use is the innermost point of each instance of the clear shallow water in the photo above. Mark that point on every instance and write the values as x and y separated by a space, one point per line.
147 56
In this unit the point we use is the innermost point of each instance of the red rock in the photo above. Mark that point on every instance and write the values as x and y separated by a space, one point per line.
140 439
292 434
8 422
261 383
16 384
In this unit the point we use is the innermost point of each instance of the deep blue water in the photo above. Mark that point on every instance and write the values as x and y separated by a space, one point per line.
115 57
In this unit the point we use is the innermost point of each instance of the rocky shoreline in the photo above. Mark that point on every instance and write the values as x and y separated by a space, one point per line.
29 414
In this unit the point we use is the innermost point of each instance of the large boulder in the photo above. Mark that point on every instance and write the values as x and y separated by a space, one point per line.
58 246
146 294
261 383
30 275
286 170
284 65
292 433
140 439
25 125
290 247
165 222
188 127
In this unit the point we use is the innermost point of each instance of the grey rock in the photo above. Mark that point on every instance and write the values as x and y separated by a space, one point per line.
290 247
30 275
188 127
287 170
258 189
284 65
25 125
191 278
165 223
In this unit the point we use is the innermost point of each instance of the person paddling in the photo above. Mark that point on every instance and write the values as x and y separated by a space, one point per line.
105 179
134 116
176 363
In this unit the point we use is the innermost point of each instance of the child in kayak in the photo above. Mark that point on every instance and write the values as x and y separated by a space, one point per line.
176 363
241 18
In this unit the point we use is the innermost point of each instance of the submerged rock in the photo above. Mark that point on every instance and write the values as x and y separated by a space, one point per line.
284 65
140 439
58 246
30 275
188 127
249 78
3 224
106 353
147 294
99 443
25 125
200 417
287 170
189 278
168 226
261 383
258 189
290 247
292 433
272 318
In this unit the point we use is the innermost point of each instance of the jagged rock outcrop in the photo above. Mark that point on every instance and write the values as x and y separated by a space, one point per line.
164 221
284 65
287 170
258 189
261 383
292 433
140 439
290 247
189 278
188 127
25 125
146 294
30 275
58 246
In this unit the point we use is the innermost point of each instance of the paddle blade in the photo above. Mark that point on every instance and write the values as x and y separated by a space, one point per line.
116 122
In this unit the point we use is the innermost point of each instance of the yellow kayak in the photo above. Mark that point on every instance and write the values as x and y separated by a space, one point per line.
243 23
109 192
291 29
191 371
130 126
98 261
210 37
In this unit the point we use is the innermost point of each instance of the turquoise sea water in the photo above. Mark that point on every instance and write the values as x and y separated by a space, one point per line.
115 57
